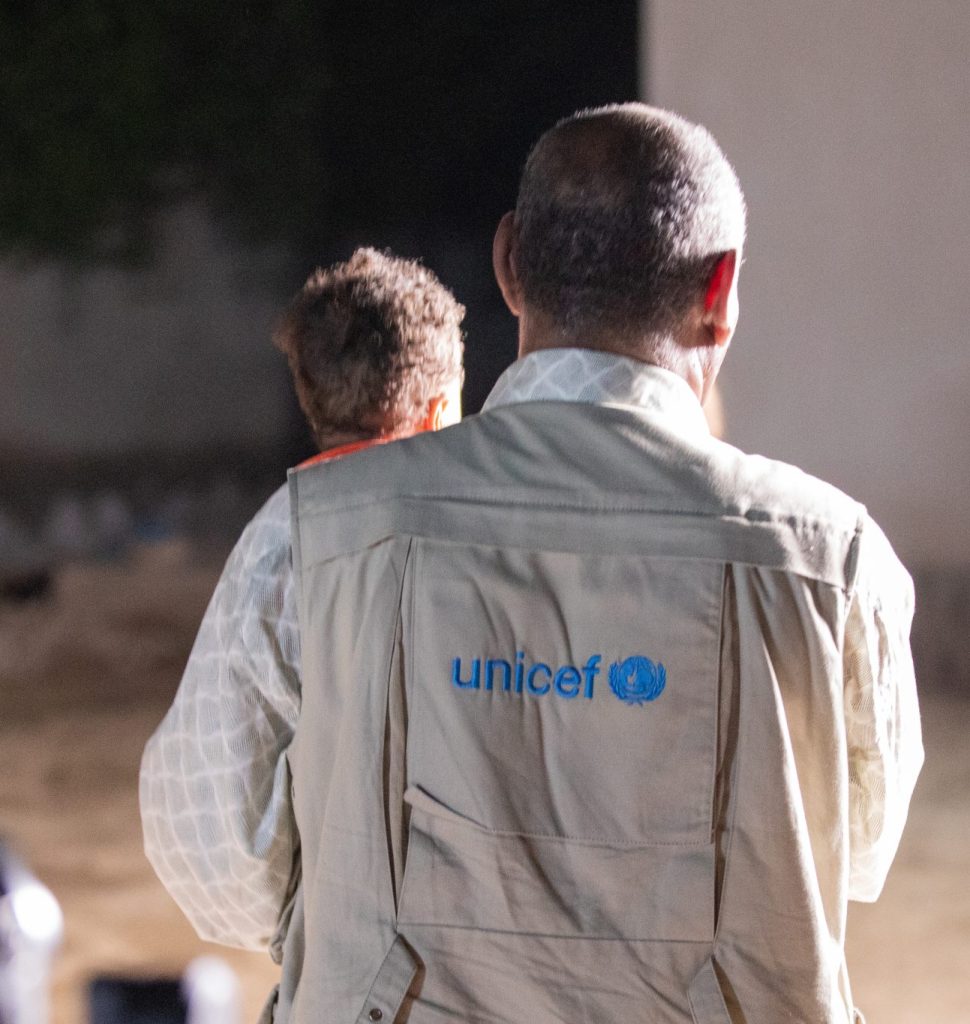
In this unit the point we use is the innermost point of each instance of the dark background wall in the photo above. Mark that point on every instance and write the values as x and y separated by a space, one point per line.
170 174
434 115
176 174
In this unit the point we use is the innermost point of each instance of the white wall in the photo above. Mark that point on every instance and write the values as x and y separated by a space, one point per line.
175 358
849 126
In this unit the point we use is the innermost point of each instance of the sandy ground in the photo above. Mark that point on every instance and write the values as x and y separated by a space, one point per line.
84 679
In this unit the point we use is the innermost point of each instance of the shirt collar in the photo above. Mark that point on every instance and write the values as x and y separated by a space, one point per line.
330 454
599 378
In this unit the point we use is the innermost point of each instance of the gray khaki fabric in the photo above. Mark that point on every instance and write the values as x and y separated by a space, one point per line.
572 745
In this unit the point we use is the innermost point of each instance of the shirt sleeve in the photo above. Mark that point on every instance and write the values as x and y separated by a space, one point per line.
884 737
214 787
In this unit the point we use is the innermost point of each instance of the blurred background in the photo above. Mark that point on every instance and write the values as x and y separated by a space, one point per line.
170 174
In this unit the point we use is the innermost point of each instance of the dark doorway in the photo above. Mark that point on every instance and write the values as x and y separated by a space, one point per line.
436 106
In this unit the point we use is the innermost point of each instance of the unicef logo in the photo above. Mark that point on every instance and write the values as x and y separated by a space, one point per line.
637 680
634 680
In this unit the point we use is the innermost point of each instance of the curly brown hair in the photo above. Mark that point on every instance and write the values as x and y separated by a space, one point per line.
370 343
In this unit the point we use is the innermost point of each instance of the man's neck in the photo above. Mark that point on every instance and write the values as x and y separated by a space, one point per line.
340 450
538 332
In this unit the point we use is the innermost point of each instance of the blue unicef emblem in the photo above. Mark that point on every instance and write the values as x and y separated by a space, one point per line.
637 680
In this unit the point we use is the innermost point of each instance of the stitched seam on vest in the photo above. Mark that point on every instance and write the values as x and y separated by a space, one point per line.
653 555
296 545
754 515
733 783
387 809
551 836
410 582
717 706
550 935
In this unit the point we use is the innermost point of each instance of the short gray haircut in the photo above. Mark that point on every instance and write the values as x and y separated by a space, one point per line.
370 343
622 214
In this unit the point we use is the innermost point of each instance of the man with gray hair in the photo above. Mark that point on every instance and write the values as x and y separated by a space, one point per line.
602 718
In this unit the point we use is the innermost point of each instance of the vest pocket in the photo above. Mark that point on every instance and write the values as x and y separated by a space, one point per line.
460 874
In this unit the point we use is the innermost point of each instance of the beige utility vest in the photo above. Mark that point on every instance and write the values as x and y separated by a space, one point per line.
571 746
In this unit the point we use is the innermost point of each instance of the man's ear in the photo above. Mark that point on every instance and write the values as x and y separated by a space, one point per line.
503 263
443 410
721 306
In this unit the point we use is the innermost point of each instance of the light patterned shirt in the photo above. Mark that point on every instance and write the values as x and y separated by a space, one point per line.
215 797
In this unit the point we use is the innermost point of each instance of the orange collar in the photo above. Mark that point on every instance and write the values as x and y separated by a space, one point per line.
343 449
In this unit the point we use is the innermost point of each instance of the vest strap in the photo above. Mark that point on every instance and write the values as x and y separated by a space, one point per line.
391 985
706 1000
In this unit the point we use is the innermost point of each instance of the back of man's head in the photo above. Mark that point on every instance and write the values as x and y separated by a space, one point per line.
371 344
622 214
